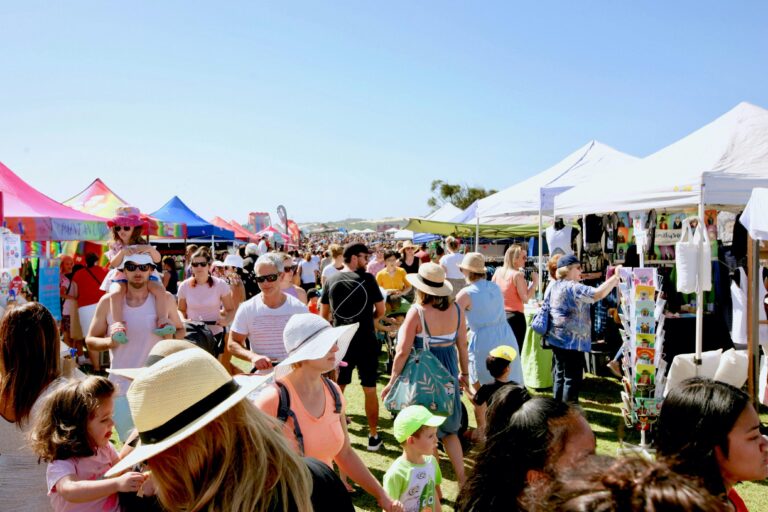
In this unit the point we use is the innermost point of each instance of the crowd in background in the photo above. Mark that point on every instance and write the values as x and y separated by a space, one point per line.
196 437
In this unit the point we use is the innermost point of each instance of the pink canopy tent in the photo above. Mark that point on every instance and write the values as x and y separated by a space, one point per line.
240 232
36 217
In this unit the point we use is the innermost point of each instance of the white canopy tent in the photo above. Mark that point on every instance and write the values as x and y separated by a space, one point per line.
445 213
534 196
718 165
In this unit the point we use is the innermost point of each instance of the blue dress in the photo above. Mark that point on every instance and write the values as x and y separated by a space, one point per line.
488 328
444 349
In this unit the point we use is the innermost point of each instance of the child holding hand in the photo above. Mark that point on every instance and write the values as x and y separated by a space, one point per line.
72 434
127 228
414 478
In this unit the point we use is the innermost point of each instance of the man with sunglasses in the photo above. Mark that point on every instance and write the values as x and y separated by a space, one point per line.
140 315
262 318
351 296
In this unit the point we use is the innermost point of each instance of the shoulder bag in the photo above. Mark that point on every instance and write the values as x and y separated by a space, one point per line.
423 381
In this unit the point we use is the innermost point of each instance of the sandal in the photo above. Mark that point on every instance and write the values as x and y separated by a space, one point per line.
166 330
117 333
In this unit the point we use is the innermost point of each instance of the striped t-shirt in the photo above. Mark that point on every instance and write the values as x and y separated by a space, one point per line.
264 325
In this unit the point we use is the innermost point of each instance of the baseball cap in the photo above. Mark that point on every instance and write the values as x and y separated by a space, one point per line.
354 249
504 352
569 259
412 418
137 258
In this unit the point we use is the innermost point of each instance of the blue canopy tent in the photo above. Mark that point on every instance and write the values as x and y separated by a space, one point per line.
197 227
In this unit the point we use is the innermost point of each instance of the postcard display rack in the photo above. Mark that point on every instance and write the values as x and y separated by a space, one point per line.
642 319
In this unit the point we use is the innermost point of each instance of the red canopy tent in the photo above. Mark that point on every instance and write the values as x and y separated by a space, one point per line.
36 217
240 232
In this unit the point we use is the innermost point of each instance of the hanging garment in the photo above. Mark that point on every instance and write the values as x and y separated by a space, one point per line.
559 241
739 299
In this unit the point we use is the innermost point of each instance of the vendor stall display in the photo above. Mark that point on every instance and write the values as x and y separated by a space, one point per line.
642 332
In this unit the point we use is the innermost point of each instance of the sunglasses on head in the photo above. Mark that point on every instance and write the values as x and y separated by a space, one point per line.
124 228
133 267
269 277
199 263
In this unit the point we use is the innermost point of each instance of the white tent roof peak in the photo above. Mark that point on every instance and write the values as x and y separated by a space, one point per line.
729 156
445 213
527 196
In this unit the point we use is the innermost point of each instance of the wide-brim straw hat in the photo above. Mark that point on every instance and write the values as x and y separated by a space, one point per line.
176 397
408 245
431 279
161 350
126 216
308 337
473 262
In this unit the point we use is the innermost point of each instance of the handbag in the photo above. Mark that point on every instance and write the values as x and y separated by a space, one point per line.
423 381
542 319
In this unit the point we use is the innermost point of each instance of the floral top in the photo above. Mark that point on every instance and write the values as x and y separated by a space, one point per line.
571 326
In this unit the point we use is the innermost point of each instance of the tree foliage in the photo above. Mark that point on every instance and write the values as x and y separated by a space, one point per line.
460 196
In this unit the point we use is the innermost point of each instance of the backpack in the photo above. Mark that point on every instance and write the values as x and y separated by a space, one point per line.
284 408
199 334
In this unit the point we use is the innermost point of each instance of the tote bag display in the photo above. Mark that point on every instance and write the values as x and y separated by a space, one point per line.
687 259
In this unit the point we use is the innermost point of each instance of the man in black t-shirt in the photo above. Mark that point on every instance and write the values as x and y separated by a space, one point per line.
351 296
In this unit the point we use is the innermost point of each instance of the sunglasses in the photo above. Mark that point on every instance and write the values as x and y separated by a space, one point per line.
124 228
269 277
199 263
132 267
288 269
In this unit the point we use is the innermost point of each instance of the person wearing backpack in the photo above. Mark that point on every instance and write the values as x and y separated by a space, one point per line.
310 406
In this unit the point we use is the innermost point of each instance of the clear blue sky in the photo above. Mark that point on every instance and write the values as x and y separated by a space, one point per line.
339 109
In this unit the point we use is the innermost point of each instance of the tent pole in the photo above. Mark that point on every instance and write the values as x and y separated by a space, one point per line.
699 284
753 317
477 233
541 254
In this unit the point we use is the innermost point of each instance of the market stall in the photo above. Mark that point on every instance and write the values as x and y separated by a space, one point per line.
176 211
240 232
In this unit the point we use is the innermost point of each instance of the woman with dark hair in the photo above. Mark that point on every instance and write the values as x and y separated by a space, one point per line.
170 275
205 298
437 322
29 370
631 484
528 441
710 430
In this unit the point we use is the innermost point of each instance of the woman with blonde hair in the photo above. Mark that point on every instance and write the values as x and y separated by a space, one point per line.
516 292
210 449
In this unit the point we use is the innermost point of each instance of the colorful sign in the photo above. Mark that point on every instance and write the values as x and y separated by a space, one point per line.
48 290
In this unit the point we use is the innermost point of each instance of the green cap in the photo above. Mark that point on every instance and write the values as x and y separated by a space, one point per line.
412 418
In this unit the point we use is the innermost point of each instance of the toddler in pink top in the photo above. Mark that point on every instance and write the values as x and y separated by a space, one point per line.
72 434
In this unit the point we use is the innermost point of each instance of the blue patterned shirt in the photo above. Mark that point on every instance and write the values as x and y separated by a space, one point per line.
571 327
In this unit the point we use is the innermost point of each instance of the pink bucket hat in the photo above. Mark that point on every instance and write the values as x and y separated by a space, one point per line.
127 216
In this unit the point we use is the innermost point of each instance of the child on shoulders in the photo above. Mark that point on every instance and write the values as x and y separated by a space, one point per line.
127 228
72 434
414 478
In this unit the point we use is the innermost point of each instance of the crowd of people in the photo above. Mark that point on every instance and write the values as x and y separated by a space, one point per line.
199 432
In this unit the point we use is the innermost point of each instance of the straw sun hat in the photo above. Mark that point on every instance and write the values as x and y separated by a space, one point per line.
473 262
308 337
176 397
431 279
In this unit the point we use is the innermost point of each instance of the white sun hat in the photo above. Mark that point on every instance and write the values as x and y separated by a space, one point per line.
233 260
138 258
308 337
176 397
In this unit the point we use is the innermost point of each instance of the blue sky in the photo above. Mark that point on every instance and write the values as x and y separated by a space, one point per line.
351 109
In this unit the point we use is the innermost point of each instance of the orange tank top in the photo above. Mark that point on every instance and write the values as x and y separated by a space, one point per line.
512 300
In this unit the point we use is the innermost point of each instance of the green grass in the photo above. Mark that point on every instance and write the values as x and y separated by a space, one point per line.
600 400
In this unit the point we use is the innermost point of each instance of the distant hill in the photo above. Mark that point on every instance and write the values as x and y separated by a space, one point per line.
349 224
